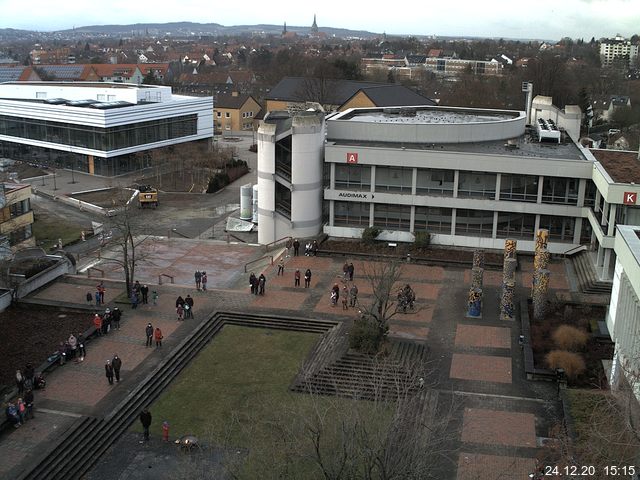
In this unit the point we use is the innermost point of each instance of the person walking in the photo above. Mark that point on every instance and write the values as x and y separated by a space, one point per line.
145 420
281 267
28 400
149 332
204 281
81 350
180 312
198 279
97 322
296 277
345 271
106 321
144 290
253 283
116 363
73 344
307 278
19 381
158 336
134 299
262 280
100 289
345 298
108 369
353 294
289 246
351 270
188 307
296 247
155 296
116 315
97 297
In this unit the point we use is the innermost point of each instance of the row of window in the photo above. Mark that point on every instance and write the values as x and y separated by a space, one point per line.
476 223
521 188
228 114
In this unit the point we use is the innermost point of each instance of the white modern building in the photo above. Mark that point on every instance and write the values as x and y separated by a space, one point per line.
469 177
618 49
98 128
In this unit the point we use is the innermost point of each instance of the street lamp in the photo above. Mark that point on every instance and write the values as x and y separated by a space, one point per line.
55 187
73 163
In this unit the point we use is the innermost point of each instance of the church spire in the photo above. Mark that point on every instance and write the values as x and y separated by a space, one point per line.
314 26
284 32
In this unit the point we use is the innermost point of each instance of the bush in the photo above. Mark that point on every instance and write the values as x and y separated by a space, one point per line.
423 239
572 363
370 234
365 337
567 337
254 148
218 181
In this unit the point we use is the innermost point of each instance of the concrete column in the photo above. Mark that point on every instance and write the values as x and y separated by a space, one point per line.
498 180
456 179
371 214
412 221
582 190
536 225
332 211
604 273
373 179
414 184
453 221
540 185
599 256
494 232
605 213
577 230
612 220
332 178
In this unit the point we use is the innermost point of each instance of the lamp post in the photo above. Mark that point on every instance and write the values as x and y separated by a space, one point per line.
73 164
55 186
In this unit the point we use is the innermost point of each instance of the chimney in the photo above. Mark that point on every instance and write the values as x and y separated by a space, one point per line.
234 94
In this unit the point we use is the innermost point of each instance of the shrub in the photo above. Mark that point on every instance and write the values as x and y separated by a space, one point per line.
370 234
365 337
572 363
423 239
218 181
568 337
254 148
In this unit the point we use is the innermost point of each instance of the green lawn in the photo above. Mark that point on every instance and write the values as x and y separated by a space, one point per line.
48 229
235 394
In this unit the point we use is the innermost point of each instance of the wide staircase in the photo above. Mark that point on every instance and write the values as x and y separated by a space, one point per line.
588 281
90 437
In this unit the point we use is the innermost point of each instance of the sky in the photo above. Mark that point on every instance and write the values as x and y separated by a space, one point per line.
550 20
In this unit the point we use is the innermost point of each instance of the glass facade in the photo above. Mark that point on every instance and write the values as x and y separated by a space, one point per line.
561 229
353 177
103 139
520 188
433 220
283 157
475 223
477 184
392 217
283 200
560 190
394 179
516 225
435 182
351 214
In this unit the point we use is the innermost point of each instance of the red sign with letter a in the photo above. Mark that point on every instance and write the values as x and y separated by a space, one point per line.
352 158
630 198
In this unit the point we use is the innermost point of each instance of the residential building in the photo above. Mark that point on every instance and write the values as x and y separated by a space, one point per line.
18 74
235 113
457 66
16 215
618 51
604 106
120 72
98 128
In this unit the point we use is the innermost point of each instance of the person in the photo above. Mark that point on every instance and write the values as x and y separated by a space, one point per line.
296 247
353 294
345 271
62 352
281 267
116 363
253 283
12 414
289 246
28 400
22 410
97 322
351 270
144 290
158 336
155 296
188 306
145 420
307 249
179 301
137 287
307 278
81 350
73 344
149 332
19 381
296 277
97 297
198 278
100 289
134 299
345 299
335 295
29 373
115 316
180 311
89 298
108 370
106 321
314 248
204 281
262 280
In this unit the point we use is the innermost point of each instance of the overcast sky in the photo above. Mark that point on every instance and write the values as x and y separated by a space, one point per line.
489 18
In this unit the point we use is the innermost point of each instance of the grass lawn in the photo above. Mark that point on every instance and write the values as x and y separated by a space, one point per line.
48 229
235 394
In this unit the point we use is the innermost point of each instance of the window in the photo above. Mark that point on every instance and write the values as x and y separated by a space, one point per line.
477 184
227 115
394 179
392 217
219 114
283 200
522 188
353 177
435 182
351 214
560 228
560 190
515 225
433 220
476 223
41 95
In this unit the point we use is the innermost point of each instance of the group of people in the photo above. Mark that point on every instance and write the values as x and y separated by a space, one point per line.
406 298
307 278
140 295
109 320
72 349
153 334
112 368
27 380
98 295
184 307
257 284
349 295
310 248
201 280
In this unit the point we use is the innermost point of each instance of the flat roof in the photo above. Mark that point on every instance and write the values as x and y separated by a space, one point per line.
432 115
622 166
81 84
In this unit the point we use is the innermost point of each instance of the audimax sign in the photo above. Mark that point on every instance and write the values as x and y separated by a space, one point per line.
363 196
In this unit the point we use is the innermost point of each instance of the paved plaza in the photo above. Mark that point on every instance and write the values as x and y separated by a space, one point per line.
500 416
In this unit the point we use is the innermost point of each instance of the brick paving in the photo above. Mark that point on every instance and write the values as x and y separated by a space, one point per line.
481 336
499 428
474 466
486 368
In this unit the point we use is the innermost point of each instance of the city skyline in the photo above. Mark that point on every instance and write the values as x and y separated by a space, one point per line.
492 18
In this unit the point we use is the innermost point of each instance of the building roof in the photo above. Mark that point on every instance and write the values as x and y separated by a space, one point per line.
14 74
65 72
229 100
415 59
622 166
338 92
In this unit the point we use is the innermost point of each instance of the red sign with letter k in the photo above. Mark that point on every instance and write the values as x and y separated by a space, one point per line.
630 198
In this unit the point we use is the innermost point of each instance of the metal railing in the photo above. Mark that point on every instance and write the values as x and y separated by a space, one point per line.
270 257
571 251
170 277
269 246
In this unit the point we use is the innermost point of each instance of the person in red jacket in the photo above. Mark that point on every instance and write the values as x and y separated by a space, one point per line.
158 336
97 322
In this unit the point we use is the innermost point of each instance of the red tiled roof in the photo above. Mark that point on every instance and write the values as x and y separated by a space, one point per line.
622 166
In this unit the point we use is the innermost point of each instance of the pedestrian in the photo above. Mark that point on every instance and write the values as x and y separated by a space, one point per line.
353 294
314 248
198 278
345 298
144 290
253 283
296 277
281 267
180 312
89 298
97 297
145 420
137 287
262 280
97 323
73 343
155 297
335 295
149 332
307 278
12 414
116 363
116 315
100 289
108 369
81 350
158 336
179 301
350 270
29 374
204 281
345 271
22 410
106 321
307 249
19 381
28 400
134 300
296 247
188 307
289 246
